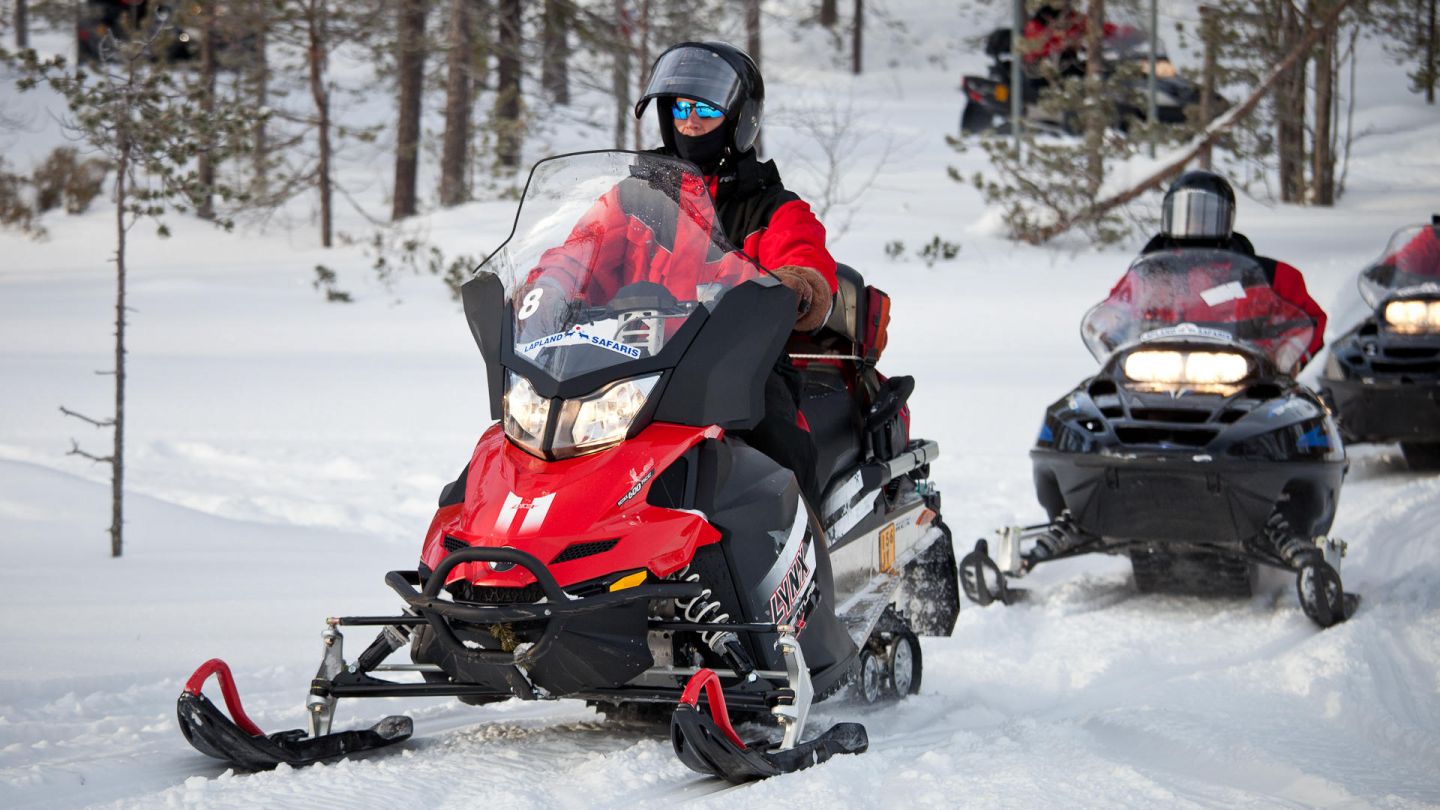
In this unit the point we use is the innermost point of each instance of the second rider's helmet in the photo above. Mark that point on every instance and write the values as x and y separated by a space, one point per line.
1199 205
716 73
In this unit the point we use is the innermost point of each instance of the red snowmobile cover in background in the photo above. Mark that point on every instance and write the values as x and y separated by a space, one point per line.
1225 293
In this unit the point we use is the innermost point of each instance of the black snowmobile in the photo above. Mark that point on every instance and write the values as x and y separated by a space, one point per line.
612 540
1383 375
1193 451
1127 53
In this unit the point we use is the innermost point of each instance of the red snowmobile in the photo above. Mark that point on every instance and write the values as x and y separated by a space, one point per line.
611 539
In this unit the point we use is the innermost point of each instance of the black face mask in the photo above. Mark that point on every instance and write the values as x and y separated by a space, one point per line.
704 151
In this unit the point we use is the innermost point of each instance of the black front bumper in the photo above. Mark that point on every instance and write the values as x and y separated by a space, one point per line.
566 645
1176 498
1387 411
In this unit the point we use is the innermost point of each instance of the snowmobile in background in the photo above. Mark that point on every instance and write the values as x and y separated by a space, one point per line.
100 20
988 98
1193 450
611 540
1383 374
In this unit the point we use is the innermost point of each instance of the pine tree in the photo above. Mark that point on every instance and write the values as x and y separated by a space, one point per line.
152 129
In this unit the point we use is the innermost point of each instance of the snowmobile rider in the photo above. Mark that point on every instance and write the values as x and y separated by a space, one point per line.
1421 255
1057 31
1199 212
709 98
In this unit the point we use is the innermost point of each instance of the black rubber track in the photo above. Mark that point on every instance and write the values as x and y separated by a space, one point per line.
1191 573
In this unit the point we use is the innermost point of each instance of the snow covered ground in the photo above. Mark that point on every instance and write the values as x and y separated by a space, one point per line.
285 453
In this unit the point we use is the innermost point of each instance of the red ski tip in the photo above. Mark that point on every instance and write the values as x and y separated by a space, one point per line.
707 680
232 696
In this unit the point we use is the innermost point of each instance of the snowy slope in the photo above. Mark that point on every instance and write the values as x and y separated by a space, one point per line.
286 453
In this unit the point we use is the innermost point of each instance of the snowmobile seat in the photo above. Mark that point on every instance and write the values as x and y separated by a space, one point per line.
835 421
858 324
840 384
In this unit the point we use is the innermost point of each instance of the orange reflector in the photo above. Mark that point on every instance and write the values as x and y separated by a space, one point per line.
1002 92
628 581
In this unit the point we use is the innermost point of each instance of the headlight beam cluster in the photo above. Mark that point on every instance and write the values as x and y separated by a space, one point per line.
1186 368
584 425
1412 317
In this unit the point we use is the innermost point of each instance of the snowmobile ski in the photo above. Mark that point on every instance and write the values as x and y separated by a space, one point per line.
240 742
707 743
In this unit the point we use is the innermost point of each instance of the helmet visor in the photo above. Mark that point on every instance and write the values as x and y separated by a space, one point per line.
1192 213
695 73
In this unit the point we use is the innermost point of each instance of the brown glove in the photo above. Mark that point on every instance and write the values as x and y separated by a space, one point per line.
812 290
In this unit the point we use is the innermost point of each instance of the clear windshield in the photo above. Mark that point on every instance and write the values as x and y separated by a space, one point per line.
1409 265
611 254
1206 294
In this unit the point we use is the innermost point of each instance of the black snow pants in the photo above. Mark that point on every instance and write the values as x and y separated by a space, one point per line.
779 434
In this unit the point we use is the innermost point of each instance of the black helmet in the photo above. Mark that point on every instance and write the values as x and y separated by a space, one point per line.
716 73
1199 205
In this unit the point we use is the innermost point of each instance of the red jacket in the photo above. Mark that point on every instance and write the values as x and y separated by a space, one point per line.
625 238
1290 285
1284 279
1420 256
1046 38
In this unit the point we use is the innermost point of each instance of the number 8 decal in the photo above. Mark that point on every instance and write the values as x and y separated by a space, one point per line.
529 304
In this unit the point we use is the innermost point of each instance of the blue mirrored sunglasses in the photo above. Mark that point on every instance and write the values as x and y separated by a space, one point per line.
681 110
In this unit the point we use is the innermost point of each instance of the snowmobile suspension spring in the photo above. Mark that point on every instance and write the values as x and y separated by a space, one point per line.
1291 549
703 609
1058 539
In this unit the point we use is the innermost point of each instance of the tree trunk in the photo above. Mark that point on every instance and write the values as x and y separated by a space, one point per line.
1290 111
482 22
620 73
316 24
1210 38
857 38
117 453
642 65
261 78
22 24
1432 67
507 89
459 100
1094 100
411 67
1323 168
205 163
752 45
829 13
555 51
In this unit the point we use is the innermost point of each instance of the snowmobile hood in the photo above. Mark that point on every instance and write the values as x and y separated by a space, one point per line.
515 500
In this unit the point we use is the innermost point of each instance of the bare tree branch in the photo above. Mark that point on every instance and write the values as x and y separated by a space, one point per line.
99 423
76 451
1212 133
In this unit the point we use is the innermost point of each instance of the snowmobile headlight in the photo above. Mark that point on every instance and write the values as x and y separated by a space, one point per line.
1205 371
602 419
526 412
1413 317
1164 69
1215 368
1155 367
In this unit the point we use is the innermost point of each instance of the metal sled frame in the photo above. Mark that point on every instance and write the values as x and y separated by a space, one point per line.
239 741
1317 569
